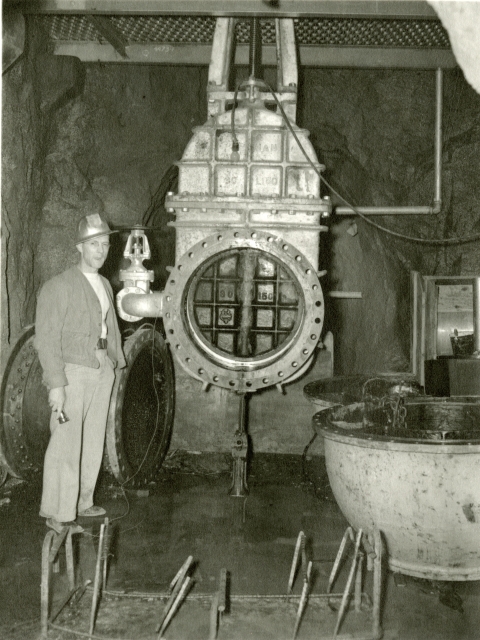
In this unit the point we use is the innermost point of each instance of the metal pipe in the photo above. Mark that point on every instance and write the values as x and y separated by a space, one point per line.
303 599
345 294
143 305
377 584
222 591
296 555
383 211
175 606
213 618
175 587
437 196
346 593
476 315
45 582
96 582
358 583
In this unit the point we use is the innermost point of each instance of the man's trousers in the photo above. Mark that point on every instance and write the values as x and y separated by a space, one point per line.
75 451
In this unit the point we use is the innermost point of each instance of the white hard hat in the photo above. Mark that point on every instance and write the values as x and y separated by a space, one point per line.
92 226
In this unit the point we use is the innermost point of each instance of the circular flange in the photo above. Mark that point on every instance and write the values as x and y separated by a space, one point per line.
24 432
140 417
120 295
242 374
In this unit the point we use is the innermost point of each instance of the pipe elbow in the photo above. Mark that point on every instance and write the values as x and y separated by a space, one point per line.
437 207
133 304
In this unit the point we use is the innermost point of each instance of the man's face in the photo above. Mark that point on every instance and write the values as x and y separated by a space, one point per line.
94 252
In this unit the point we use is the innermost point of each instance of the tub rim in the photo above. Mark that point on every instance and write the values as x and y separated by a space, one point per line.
321 423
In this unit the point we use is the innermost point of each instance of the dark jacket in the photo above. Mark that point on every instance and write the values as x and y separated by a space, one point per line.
69 323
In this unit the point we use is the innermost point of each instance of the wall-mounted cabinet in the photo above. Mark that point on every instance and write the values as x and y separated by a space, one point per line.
444 333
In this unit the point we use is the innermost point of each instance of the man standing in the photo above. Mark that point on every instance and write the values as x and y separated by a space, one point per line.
79 346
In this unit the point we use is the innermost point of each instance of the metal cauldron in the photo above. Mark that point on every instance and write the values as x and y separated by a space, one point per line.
415 476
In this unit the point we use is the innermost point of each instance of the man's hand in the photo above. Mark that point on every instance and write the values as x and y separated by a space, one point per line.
56 399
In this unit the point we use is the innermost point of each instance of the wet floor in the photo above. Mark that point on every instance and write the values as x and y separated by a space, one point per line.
189 513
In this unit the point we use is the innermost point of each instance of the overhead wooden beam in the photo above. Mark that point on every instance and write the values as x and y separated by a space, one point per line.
282 9
108 30
309 56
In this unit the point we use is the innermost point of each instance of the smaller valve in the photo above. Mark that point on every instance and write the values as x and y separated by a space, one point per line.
136 277
137 250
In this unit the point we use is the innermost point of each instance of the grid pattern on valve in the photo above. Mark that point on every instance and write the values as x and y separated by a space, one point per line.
244 303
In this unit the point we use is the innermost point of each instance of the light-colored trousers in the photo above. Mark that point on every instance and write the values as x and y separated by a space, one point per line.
75 450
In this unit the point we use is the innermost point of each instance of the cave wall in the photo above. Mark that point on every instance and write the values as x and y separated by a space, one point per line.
25 130
90 138
34 89
374 130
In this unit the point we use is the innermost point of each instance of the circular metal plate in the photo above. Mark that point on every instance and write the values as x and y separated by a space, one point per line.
24 432
141 410
243 368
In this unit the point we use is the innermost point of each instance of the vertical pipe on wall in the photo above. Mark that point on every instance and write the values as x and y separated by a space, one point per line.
437 194
476 315
437 198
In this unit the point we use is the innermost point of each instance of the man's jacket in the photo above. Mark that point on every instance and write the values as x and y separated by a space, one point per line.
69 323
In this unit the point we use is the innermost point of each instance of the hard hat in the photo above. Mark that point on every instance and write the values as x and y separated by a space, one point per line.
92 226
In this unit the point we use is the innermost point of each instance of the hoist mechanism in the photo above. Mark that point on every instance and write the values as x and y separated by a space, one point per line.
243 307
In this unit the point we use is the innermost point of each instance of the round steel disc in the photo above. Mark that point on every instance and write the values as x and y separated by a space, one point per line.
24 432
141 410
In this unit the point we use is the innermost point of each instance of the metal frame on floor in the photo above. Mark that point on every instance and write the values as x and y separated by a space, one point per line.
365 544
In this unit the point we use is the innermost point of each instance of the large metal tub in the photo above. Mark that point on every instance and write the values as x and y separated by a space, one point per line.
421 492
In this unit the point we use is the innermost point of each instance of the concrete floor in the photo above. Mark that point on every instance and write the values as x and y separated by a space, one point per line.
189 513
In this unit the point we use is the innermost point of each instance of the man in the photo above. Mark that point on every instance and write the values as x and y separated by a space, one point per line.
79 346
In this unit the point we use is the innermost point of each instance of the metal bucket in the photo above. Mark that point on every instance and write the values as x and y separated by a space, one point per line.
419 486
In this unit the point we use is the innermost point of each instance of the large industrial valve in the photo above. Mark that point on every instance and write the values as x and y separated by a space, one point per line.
243 310
243 307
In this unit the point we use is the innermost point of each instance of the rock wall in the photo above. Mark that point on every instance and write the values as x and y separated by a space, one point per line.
100 138
24 136
374 130
33 90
